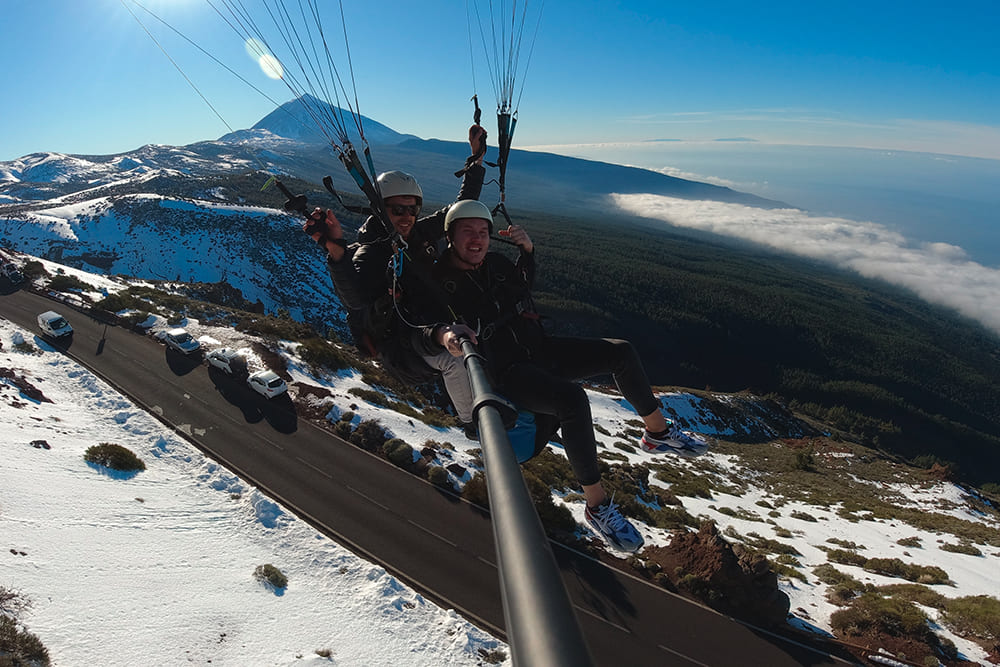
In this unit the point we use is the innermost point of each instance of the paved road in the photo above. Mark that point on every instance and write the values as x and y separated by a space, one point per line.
439 544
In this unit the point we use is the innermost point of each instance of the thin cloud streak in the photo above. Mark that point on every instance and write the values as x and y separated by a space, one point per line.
939 273
818 127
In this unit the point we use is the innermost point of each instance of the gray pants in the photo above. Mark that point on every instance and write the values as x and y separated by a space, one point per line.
456 382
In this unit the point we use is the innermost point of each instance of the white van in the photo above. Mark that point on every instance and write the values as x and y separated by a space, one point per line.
54 324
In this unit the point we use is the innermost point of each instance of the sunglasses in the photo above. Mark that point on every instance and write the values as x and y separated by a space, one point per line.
412 209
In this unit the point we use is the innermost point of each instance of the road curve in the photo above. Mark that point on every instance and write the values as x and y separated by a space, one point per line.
439 544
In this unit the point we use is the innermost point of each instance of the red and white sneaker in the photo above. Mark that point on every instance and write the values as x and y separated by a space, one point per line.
674 441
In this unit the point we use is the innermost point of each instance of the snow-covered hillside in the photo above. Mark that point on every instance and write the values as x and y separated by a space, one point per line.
261 251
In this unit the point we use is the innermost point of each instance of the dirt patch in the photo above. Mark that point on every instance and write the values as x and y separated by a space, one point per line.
311 403
25 387
727 577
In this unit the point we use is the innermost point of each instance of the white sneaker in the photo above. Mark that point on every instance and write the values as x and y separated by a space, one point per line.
612 526
675 441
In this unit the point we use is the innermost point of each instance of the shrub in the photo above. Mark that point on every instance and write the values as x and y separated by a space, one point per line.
918 593
120 301
962 548
788 571
909 542
672 518
975 616
494 656
893 567
847 544
64 282
437 476
342 429
319 353
369 435
845 557
557 519
693 487
113 456
871 613
475 490
805 460
771 546
830 575
271 575
553 470
399 452
20 647
134 319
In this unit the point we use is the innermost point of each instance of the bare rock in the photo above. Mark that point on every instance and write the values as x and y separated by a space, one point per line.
727 577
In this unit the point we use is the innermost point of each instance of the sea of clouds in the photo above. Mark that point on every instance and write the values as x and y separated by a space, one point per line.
940 273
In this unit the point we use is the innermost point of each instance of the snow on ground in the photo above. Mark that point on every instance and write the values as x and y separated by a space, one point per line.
167 555
157 568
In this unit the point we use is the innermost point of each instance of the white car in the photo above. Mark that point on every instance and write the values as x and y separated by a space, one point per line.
10 271
226 359
267 384
180 340
54 324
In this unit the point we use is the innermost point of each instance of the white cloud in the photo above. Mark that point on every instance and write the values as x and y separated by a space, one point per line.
692 176
940 273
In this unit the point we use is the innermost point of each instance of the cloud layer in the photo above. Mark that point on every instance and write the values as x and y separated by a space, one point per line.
939 273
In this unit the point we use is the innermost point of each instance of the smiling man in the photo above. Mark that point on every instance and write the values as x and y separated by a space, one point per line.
485 297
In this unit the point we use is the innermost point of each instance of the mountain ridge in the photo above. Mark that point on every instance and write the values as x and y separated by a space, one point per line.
286 141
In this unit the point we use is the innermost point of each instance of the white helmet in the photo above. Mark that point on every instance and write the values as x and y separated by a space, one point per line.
467 208
397 184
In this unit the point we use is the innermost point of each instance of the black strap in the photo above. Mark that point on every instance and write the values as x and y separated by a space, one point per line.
472 159
328 184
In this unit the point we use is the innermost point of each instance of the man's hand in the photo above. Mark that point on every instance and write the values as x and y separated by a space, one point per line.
450 337
520 237
477 142
323 228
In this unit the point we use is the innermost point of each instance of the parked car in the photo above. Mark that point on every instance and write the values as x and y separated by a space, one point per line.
54 324
180 340
227 359
267 383
10 271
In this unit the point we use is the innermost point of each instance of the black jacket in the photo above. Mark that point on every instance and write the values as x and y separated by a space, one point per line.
493 299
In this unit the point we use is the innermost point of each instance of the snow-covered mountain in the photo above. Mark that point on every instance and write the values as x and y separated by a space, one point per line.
294 120
180 213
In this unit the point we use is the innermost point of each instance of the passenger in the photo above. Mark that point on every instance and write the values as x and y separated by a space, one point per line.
365 286
485 297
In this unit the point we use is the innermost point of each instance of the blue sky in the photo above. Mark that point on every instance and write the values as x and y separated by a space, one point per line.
83 77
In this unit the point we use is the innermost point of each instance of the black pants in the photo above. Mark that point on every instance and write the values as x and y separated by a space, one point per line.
547 385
